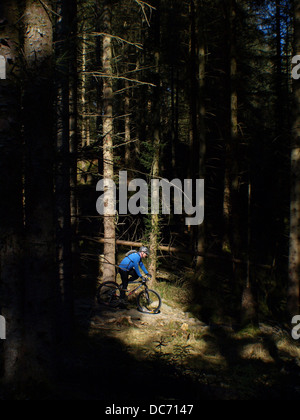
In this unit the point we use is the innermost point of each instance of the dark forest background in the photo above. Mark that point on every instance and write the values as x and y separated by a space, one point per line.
169 89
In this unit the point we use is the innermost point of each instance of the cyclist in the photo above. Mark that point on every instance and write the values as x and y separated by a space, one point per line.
130 266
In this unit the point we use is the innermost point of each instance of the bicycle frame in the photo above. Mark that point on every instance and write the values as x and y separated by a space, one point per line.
145 299
137 288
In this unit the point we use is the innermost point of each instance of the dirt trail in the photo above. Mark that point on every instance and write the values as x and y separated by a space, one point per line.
167 314
168 321
228 364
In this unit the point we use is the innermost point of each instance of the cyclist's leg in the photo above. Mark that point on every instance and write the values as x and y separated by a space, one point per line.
124 278
133 275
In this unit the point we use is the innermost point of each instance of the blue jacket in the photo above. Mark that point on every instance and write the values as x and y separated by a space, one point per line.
133 261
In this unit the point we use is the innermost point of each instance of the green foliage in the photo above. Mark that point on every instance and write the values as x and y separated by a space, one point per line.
146 158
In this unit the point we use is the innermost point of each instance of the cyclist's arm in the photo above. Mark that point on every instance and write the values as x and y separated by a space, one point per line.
137 269
144 268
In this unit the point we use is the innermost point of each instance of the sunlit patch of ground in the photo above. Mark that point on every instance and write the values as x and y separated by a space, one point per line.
288 348
174 329
256 351
234 364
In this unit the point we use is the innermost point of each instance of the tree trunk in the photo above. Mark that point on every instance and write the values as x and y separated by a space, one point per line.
279 100
194 140
83 89
108 155
63 174
201 121
233 166
294 254
197 106
154 234
85 141
11 213
235 198
73 121
127 124
38 133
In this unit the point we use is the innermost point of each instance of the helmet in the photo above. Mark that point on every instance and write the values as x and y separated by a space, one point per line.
145 250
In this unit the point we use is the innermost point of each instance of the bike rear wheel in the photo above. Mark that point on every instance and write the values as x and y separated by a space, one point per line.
149 301
108 294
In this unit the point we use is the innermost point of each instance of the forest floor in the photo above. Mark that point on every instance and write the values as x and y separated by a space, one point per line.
121 355
125 354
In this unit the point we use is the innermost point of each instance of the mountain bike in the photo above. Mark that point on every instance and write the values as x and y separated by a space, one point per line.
148 301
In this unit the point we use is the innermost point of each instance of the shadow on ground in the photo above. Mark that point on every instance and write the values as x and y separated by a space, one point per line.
100 366
122 356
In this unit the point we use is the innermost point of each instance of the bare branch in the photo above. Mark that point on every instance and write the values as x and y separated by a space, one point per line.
98 74
142 4
139 46
46 7
171 249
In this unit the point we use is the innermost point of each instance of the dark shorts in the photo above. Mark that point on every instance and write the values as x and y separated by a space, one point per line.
128 276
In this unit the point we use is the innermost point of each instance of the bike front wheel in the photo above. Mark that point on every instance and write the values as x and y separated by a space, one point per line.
149 301
108 294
